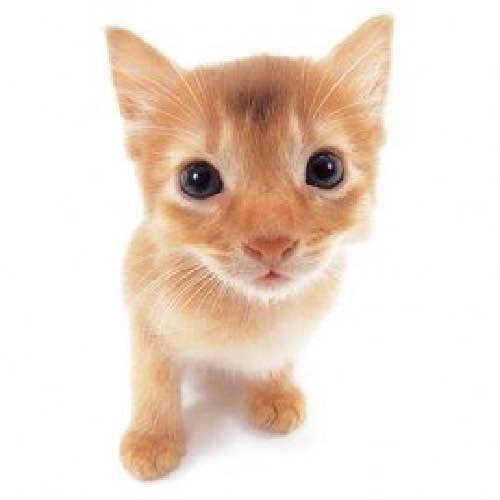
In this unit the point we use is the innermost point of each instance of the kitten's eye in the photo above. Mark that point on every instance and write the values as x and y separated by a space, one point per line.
324 170
200 180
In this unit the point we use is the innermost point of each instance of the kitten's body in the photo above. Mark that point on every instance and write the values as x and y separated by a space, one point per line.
238 278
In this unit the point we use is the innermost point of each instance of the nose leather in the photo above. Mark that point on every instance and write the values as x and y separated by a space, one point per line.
271 250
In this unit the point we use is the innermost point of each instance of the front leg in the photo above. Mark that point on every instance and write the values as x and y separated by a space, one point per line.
276 403
154 442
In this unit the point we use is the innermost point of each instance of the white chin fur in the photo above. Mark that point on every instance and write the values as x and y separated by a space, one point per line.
266 295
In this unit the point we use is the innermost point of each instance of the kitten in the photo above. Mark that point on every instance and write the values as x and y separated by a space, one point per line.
255 174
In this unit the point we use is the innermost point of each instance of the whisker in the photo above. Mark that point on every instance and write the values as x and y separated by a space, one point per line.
190 90
344 75
211 279
160 90
174 132
177 300
154 285
352 105
325 78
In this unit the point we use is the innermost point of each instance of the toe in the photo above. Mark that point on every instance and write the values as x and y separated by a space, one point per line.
149 456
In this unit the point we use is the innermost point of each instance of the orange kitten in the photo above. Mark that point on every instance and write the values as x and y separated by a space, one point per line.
255 174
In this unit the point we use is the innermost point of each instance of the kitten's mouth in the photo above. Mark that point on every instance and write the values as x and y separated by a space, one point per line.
271 279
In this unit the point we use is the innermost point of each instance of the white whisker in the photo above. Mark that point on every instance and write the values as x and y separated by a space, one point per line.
344 75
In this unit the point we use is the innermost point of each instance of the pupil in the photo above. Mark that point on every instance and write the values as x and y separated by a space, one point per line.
325 168
200 178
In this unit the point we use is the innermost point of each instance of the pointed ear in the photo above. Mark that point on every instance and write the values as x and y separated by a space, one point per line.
140 73
362 62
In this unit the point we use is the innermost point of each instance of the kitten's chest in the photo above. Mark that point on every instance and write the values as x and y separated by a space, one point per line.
264 340
255 349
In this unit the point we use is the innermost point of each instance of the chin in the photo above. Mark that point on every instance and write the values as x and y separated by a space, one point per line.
276 287
267 293
275 290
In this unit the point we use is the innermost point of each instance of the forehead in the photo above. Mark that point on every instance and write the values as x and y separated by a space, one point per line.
258 103
268 98
256 83
255 111
260 92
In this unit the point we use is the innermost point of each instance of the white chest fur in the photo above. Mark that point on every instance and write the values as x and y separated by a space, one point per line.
261 351
260 344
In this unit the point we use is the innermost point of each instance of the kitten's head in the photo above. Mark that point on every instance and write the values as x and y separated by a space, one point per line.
260 169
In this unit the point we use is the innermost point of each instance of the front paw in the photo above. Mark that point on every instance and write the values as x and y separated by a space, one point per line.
149 456
277 410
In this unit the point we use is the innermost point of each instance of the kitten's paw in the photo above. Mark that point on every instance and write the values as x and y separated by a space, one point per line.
278 411
149 456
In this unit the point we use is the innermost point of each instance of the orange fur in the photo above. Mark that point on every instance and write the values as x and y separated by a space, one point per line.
190 265
275 403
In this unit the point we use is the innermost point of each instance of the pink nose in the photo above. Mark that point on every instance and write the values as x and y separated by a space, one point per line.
271 251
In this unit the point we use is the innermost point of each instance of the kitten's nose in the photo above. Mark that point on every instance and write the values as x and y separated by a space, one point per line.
271 250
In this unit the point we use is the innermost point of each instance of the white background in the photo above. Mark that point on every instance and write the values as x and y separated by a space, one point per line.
403 380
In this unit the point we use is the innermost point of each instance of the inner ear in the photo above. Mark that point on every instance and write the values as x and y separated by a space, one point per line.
361 63
140 73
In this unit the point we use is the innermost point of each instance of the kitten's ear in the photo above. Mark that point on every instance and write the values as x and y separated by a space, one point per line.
362 62
140 72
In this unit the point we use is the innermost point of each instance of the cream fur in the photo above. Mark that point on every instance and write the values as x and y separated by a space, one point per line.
238 281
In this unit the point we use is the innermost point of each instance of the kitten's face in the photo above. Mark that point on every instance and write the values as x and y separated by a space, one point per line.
262 168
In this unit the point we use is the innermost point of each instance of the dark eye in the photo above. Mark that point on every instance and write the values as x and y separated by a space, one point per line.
200 180
324 170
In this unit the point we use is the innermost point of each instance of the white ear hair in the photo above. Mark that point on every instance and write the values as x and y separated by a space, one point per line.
362 61
140 72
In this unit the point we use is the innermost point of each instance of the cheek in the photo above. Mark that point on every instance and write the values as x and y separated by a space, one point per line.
197 228
329 218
